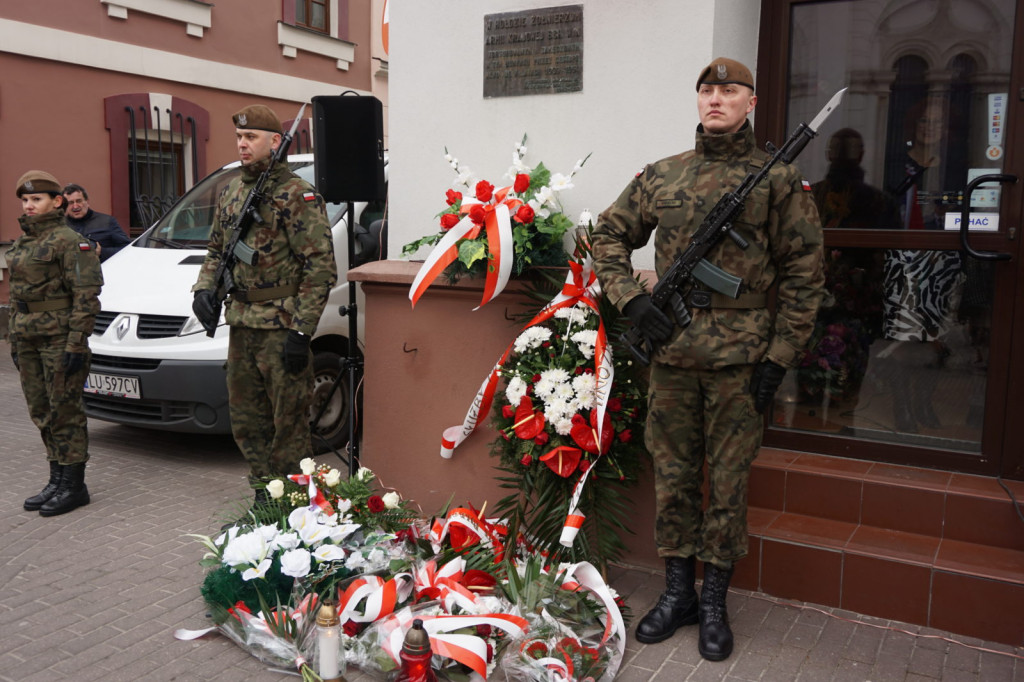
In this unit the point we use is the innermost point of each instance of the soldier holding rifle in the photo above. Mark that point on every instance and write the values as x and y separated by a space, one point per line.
718 351
271 253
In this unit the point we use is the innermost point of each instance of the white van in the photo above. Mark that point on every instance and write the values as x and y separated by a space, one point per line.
153 364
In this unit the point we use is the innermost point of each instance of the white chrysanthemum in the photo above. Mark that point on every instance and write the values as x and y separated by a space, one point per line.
585 386
515 390
564 392
576 315
563 427
560 183
585 340
556 375
556 410
533 337
544 387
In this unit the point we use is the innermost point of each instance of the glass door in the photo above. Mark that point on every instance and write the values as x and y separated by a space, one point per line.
909 359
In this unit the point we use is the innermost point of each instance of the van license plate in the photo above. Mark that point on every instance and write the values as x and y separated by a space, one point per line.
112 385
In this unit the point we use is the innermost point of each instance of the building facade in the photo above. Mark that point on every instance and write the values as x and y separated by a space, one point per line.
132 99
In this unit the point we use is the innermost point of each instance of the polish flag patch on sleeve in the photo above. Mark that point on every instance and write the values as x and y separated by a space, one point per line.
806 186
309 196
84 246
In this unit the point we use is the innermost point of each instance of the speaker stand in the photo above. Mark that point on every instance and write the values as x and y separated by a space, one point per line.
351 364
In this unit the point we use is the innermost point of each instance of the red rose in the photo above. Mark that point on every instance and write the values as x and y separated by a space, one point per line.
448 221
351 628
542 438
535 378
522 183
524 215
483 630
375 504
578 419
626 435
507 411
615 404
527 460
477 214
584 465
452 197
484 190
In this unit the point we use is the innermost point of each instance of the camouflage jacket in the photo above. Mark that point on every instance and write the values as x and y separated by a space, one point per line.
51 261
779 220
294 247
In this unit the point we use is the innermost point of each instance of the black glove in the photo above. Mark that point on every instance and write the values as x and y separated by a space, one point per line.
204 305
653 323
296 352
14 357
764 382
72 362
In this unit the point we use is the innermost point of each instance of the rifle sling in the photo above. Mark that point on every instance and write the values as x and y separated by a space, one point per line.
259 294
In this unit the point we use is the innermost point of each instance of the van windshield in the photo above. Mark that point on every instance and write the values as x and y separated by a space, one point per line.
187 225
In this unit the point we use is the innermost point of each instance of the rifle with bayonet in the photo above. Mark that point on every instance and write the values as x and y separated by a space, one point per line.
236 249
671 292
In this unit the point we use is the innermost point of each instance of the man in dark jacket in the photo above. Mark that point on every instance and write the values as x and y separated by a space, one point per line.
101 229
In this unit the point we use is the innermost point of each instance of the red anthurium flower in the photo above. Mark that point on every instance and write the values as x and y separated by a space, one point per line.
585 434
524 215
484 190
452 197
529 422
563 460
477 214
448 221
522 183
479 581
460 537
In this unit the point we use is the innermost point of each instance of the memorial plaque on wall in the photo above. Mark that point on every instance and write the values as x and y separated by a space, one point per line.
533 52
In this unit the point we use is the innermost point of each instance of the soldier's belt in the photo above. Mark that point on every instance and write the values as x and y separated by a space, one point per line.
258 294
713 299
43 306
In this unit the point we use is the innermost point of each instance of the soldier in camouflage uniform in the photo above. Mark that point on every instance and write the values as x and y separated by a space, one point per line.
55 286
276 303
711 382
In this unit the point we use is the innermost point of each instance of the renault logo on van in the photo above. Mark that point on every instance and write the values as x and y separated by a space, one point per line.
123 325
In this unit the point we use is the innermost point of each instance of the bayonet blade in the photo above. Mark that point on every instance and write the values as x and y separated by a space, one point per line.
815 125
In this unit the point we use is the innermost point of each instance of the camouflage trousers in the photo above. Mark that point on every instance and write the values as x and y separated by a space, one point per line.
269 407
697 417
54 399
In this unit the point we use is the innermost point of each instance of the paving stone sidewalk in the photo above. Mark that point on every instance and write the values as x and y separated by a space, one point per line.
96 594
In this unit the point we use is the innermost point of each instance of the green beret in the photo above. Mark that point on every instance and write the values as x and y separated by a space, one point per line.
723 71
258 117
38 182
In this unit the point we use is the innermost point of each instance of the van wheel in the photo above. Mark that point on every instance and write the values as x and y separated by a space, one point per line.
331 432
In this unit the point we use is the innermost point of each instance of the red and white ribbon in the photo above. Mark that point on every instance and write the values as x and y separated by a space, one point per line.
581 286
498 227
470 650
444 584
370 598
584 576
316 497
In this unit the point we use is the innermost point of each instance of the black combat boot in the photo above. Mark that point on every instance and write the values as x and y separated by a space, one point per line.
36 501
71 493
260 498
715 643
676 607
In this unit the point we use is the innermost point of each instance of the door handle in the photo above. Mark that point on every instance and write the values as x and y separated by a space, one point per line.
965 217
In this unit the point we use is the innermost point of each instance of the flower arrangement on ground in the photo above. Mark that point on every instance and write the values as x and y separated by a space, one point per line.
553 435
483 600
497 232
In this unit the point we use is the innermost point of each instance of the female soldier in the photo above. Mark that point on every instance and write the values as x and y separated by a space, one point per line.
55 286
